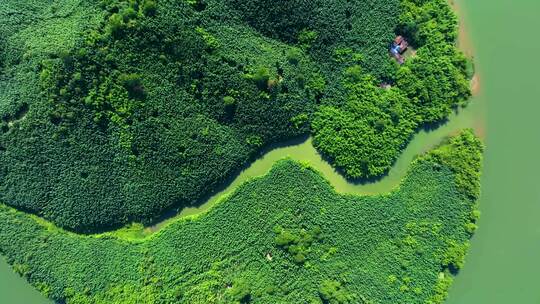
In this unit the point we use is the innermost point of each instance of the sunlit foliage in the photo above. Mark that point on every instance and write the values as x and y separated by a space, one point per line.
401 247
138 108
364 131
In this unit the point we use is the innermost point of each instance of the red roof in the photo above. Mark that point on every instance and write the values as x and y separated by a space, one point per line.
404 45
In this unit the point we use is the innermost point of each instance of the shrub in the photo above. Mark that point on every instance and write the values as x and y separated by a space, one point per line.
306 38
332 292
133 83
294 56
149 7
211 42
229 101
240 292
261 78
116 24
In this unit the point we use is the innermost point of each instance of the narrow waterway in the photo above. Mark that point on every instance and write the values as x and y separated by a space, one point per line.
502 265
473 116
18 291
302 150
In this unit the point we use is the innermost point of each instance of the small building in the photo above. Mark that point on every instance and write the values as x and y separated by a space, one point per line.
385 86
399 46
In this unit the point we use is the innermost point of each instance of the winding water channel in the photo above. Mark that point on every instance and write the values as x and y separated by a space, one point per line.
501 266
302 150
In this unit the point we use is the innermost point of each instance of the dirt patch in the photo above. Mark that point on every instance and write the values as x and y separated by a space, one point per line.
475 84
465 43
464 40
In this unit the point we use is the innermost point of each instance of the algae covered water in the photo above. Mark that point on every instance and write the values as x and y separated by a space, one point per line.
502 263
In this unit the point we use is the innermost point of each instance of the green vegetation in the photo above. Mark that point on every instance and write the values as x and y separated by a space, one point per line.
133 107
115 111
332 292
401 247
144 105
364 133
298 244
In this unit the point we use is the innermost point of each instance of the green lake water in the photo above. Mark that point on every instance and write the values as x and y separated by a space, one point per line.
502 263
15 290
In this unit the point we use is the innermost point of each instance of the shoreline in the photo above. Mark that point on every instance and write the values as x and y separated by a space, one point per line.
465 44
464 40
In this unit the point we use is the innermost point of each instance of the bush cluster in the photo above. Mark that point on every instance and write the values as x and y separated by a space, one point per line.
364 132
297 242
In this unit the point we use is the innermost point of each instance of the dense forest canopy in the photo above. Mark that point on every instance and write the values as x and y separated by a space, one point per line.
364 133
115 111
148 110
286 237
